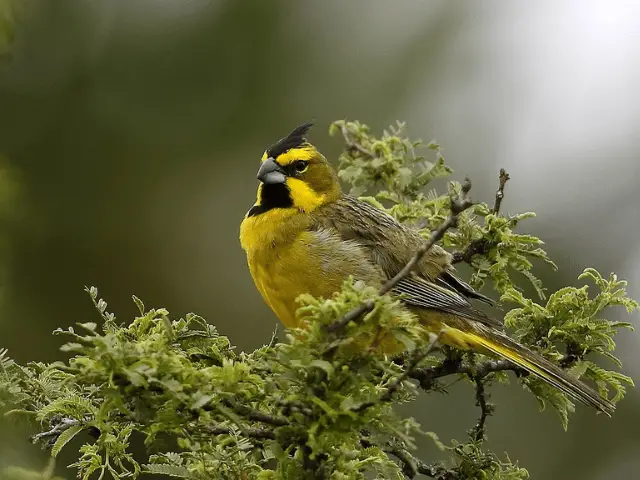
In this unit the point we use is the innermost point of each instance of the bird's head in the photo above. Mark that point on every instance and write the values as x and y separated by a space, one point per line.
295 175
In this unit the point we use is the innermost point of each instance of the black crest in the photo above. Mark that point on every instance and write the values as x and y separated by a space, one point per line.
293 140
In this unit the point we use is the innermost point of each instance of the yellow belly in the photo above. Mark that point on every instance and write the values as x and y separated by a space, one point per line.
284 272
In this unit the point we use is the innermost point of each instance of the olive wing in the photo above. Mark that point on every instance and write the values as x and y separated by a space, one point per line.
391 245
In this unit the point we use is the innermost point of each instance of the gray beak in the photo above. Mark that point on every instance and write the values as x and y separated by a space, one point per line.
271 173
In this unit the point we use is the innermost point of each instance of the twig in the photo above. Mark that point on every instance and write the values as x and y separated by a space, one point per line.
291 407
351 315
476 247
257 433
485 368
411 466
56 430
393 387
255 415
486 409
572 355
427 376
274 338
397 382
458 204
481 246
504 178
355 145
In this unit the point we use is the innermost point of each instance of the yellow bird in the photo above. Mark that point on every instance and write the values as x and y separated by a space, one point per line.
303 235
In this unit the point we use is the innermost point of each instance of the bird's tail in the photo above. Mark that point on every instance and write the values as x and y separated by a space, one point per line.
501 345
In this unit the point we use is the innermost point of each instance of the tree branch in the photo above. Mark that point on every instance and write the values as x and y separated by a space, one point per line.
350 316
486 409
256 433
476 247
458 204
255 415
503 178
291 406
58 426
355 145
481 246
397 382
572 355
428 376
411 466
274 338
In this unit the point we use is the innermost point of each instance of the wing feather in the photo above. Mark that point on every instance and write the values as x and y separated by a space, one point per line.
421 293
391 245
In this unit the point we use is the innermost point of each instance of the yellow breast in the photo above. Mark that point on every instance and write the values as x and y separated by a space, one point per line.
281 260
281 274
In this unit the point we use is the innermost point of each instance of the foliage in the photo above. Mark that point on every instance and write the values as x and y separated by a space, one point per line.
316 405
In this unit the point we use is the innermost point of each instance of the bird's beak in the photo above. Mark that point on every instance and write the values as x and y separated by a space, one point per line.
271 173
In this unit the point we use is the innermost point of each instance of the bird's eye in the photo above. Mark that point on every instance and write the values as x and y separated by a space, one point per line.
300 166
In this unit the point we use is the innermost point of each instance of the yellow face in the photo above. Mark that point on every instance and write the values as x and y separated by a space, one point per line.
294 178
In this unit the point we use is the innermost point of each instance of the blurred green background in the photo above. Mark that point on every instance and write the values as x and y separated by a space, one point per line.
131 131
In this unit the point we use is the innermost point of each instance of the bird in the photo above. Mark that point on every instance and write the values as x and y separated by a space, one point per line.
304 235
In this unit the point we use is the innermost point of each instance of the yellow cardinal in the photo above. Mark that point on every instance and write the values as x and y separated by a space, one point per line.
303 235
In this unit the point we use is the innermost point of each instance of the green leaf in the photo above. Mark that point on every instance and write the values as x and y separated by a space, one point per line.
139 304
200 401
323 365
89 326
64 438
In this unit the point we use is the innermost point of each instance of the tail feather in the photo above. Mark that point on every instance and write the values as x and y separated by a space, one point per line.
505 347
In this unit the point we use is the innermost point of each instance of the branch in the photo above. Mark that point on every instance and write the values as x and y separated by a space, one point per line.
572 355
290 407
486 409
504 178
355 145
350 316
458 205
418 466
427 376
397 382
256 415
256 433
481 246
274 338
411 466
57 427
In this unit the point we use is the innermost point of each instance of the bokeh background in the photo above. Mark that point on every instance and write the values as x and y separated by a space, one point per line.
130 134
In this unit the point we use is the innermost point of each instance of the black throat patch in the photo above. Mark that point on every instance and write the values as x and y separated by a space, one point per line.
272 196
